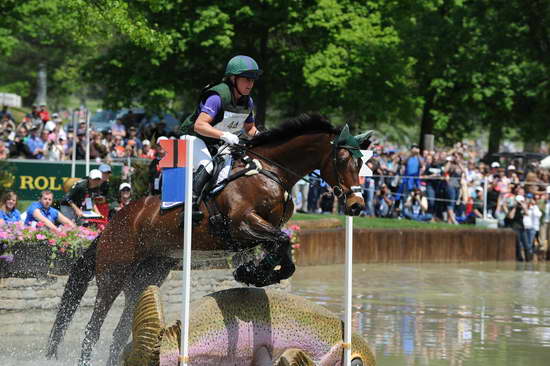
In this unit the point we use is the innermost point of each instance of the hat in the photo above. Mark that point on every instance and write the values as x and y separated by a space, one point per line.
479 188
124 185
55 115
162 138
146 142
49 126
94 174
105 168
495 164
511 167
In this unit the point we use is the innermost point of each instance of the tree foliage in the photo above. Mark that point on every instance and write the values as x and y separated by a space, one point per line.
449 67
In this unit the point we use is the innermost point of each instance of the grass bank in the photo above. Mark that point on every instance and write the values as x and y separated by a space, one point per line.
380 223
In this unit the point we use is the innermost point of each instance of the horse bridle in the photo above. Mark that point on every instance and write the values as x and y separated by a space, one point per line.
337 188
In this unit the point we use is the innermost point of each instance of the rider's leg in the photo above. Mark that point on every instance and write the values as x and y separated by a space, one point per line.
202 164
199 180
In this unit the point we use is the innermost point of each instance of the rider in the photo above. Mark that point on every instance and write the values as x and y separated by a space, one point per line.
225 110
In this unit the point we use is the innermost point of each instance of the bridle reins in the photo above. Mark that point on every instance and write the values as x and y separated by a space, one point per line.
337 189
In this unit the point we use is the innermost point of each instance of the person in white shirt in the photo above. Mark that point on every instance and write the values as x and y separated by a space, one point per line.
531 220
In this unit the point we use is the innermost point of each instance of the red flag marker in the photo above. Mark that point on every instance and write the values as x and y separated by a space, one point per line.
175 154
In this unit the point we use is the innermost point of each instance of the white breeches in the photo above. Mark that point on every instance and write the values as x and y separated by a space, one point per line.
201 156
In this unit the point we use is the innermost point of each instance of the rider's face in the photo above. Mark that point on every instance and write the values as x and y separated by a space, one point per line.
244 85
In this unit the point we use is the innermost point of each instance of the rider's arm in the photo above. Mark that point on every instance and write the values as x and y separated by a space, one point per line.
204 128
38 216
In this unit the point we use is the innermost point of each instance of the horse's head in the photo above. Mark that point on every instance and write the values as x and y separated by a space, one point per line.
342 169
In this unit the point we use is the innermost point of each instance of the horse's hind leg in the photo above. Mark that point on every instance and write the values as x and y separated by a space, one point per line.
152 271
109 286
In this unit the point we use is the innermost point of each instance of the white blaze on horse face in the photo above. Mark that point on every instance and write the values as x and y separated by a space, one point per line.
365 170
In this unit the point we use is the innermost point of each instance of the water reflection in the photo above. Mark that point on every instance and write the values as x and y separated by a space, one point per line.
443 314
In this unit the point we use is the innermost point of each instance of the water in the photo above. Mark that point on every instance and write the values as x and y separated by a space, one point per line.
412 314
443 314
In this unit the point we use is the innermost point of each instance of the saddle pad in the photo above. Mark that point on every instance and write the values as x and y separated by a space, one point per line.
173 187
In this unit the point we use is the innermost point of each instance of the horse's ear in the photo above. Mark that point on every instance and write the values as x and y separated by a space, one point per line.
365 139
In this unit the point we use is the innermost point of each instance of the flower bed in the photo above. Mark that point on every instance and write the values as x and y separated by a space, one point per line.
29 250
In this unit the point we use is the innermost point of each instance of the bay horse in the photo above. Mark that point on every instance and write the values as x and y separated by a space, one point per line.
140 244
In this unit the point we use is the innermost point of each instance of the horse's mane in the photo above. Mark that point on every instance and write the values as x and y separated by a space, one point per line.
301 125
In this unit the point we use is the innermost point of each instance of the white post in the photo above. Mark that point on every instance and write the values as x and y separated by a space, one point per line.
75 141
485 198
87 142
188 228
347 317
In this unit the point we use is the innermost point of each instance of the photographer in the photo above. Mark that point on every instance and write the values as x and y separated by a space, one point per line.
416 207
383 202
517 210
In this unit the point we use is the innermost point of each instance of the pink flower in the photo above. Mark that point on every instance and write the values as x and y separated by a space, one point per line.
40 224
296 246
40 236
294 227
62 249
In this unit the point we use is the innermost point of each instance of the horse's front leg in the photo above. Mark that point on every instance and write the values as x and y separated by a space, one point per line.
277 246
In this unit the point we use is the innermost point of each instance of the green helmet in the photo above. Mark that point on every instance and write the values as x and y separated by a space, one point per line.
243 66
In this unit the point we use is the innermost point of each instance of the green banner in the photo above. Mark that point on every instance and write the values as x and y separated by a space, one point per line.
30 177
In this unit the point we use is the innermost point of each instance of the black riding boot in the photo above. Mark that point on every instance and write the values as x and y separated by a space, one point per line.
200 178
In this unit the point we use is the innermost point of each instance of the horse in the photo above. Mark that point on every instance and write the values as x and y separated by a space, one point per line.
141 244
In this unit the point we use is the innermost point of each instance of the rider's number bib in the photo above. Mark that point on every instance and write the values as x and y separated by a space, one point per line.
232 122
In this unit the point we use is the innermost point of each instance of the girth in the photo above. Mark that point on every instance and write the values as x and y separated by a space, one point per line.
218 223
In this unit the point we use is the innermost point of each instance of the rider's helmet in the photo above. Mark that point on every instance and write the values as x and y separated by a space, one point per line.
243 66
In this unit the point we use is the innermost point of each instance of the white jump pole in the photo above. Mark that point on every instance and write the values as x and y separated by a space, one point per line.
184 347
349 265
87 142
75 141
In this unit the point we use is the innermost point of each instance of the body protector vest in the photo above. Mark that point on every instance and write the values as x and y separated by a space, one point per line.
230 118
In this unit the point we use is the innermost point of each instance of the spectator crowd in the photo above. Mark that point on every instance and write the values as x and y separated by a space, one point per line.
450 185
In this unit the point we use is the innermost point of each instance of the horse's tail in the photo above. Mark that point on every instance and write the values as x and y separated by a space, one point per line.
81 274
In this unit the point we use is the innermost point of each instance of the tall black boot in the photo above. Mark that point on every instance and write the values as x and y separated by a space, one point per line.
200 178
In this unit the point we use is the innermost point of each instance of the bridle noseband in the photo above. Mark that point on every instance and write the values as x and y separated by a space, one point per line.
337 189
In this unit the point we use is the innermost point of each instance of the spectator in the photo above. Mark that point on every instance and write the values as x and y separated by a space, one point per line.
6 123
53 149
36 143
132 136
416 206
4 151
81 196
80 145
299 194
155 176
531 221
414 167
326 202
41 211
8 208
98 151
544 234
514 219
147 152
5 113
124 196
384 202
118 129
43 113
19 147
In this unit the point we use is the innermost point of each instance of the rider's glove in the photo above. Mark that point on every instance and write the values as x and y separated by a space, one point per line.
229 138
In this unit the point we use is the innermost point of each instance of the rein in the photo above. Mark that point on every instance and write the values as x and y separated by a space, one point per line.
337 189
